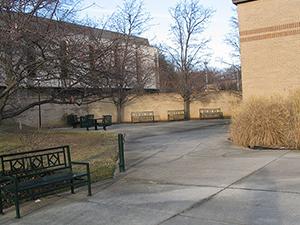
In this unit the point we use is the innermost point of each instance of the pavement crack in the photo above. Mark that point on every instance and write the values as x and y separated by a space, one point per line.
195 205
210 220
144 159
203 201
259 169
264 190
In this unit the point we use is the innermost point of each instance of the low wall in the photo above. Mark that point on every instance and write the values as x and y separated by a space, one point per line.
52 115
227 101
55 115
160 103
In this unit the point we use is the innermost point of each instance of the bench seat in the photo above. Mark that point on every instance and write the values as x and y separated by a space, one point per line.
44 181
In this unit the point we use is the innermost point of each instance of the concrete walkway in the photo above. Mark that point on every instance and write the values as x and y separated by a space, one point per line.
183 173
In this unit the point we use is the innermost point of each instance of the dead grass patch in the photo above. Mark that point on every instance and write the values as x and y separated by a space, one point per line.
98 148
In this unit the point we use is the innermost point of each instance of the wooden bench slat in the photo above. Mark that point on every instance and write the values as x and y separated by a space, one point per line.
145 116
210 113
175 115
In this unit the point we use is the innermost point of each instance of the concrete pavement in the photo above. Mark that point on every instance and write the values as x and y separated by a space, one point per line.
183 173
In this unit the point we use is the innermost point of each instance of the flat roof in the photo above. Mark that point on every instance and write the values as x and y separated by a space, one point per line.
241 1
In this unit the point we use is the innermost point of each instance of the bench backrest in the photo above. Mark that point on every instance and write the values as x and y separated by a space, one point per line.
26 164
87 121
211 113
175 114
210 110
145 116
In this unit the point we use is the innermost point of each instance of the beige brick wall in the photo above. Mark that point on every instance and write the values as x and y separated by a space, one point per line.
159 103
227 101
52 115
270 47
162 102
55 115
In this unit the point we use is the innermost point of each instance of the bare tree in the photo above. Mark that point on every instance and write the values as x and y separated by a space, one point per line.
40 53
190 20
226 79
167 74
233 40
133 65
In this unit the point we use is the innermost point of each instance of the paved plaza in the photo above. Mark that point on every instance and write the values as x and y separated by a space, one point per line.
182 173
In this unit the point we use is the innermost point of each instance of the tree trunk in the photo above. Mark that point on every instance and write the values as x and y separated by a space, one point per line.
187 109
120 110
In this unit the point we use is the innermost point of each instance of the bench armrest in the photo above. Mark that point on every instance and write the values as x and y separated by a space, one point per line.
87 164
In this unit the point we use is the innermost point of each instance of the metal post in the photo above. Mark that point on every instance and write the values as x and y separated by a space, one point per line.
121 153
40 111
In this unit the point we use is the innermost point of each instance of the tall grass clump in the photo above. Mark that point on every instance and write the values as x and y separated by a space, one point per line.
294 135
267 122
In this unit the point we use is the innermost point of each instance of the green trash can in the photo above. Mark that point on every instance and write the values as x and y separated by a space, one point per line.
107 120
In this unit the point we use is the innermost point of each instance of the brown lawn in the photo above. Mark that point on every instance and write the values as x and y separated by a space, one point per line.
98 148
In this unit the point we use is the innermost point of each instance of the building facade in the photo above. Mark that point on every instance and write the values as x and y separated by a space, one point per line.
270 46
46 61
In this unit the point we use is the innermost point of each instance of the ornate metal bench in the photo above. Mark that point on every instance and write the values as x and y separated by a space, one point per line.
139 117
211 113
32 174
175 115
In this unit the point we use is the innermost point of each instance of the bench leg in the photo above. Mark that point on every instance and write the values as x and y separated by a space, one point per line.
89 181
31 194
72 187
104 127
89 186
17 205
1 203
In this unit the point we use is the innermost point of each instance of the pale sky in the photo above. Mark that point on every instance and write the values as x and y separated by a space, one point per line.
159 10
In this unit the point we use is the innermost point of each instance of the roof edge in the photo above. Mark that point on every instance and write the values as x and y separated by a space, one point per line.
241 1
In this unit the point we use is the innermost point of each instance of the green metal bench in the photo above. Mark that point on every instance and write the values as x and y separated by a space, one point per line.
211 113
89 121
175 115
29 175
142 117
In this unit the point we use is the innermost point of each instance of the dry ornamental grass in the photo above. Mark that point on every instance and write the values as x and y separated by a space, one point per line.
268 122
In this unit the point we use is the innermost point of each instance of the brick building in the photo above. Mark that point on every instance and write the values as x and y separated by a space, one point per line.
270 46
